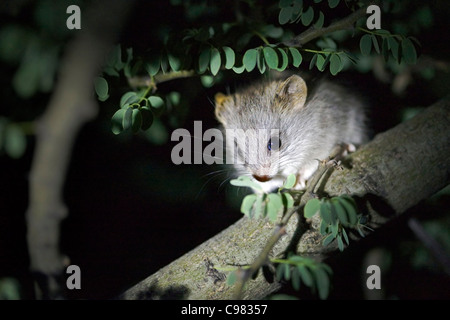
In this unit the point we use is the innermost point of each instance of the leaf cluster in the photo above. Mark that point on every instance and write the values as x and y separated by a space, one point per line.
260 204
337 214
300 270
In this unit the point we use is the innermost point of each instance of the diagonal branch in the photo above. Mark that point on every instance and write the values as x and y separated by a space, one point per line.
390 174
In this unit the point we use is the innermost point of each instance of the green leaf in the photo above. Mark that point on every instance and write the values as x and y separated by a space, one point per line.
333 3
15 141
325 212
245 181
285 15
239 70
156 102
375 43
249 59
296 57
284 60
319 23
295 279
288 200
174 62
311 208
274 205
393 46
260 62
271 57
340 210
215 62
287 271
344 234
280 271
229 57
385 49
290 181
127 119
231 279
322 282
247 204
136 120
207 81
340 243
128 98
116 121
328 239
152 67
350 207
306 276
272 31
336 64
323 228
409 53
307 16
147 118
204 60
365 44
101 88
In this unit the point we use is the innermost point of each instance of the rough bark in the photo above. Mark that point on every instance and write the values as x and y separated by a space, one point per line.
71 105
390 174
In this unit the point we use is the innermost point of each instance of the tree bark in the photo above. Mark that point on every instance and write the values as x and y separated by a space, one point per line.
390 174
71 105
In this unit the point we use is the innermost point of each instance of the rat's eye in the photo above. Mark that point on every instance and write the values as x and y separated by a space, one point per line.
274 144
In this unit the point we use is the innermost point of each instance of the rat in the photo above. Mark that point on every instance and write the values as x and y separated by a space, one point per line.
278 128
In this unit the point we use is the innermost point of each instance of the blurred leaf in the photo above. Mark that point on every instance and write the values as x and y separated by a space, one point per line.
101 88
147 118
285 15
15 141
409 51
365 44
215 62
204 60
333 3
322 282
156 102
274 205
245 181
136 120
128 98
157 133
116 121
336 64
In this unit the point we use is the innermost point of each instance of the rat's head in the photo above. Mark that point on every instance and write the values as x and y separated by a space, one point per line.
258 124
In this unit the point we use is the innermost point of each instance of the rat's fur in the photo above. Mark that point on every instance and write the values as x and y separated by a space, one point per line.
310 125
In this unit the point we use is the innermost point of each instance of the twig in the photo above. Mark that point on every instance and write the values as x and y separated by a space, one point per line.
313 33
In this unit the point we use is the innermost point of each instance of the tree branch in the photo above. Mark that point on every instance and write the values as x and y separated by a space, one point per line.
313 33
71 105
392 173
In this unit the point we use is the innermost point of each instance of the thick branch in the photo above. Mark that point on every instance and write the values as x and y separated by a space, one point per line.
392 173
71 105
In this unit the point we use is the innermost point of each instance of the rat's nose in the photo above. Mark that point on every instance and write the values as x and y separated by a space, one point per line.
262 178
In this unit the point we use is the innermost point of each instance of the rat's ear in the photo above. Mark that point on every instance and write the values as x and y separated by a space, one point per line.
221 100
293 92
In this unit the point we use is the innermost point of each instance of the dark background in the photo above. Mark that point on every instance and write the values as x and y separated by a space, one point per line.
131 211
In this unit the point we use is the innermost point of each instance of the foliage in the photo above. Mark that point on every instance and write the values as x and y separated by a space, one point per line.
262 204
